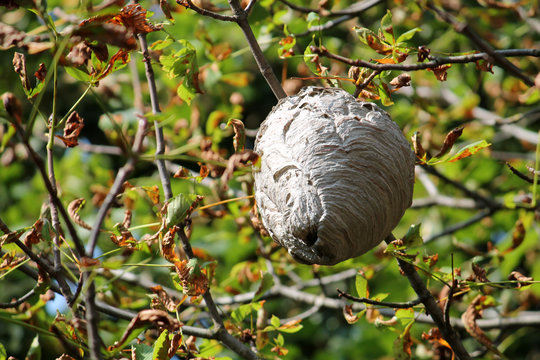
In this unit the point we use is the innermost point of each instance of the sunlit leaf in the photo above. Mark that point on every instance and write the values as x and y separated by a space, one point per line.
361 286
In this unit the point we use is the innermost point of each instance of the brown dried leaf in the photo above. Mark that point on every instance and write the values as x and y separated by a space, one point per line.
474 311
34 236
193 281
423 53
79 54
401 80
169 302
167 245
182 173
350 317
203 171
19 64
41 72
449 141
153 193
72 129
440 71
9 261
479 273
418 148
13 106
158 318
121 55
127 218
125 239
73 210
523 280
10 36
431 260
176 341
484 66
239 138
256 221
236 161
166 9
94 29
133 17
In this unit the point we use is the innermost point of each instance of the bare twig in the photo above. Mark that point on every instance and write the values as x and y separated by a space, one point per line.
19 301
354 10
433 63
459 226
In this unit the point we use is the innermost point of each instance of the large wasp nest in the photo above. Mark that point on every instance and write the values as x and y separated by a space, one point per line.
336 175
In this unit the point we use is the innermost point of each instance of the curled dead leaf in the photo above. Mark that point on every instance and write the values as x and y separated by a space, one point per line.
523 280
474 311
194 282
158 318
73 210
34 236
236 161
169 302
72 129
401 80
440 71
449 141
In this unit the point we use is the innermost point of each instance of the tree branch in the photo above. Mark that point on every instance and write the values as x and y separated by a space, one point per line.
433 63
431 306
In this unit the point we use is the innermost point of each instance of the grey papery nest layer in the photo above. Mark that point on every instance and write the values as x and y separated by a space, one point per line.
336 175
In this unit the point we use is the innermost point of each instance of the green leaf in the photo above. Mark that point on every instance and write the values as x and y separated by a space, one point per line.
387 27
412 237
364 34
361 286
178 207
34 353
77 74
309 57
313 19
240 314
405 316
161 346
407 35
142 351
464 152
162 44
275 321
279 340
384 94
290 329
186 93
265 284
3 352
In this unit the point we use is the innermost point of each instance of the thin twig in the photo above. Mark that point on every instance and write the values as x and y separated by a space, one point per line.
448 333
461 225
19 301
394 305
354 10
433 63
160 142
264 67
483 45
221 332
189 4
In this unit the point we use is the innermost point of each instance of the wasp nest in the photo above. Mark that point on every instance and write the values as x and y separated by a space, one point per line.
336 175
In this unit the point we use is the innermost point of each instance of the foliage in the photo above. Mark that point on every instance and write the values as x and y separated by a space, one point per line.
93 225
